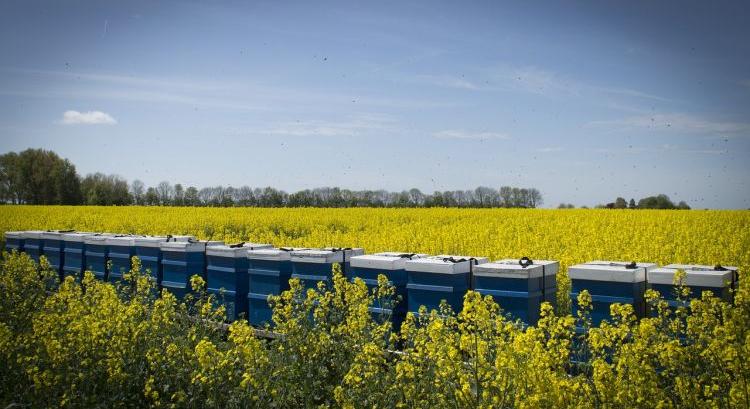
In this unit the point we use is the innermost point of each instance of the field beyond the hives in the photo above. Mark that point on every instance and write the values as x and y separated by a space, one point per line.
571 236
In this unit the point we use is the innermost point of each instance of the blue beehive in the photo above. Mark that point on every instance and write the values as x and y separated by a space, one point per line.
33 244
74 260
121 251
518 286
54 248
609 283
148 250
182 260
549 276
433 279
96 254
227 276
392 265
269 271
735 273
697 277
311 266
14 241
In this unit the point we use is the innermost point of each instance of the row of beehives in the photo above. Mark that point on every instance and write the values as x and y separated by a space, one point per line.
243 275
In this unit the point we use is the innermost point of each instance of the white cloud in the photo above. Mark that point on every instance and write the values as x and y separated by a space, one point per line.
448 81
677 122
550 149
355 126
460 134
87 118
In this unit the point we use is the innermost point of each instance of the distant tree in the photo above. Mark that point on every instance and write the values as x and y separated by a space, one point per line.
631 204
151 198
38 176
565 206
137 189
191 196
165 192
683 206
179 195
105 190
656 202
620 203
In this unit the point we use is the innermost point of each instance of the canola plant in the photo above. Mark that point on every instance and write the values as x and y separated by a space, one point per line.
91 343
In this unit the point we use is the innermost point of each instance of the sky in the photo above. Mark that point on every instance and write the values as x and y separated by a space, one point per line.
585 101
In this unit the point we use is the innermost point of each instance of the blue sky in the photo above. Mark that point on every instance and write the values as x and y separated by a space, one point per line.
583 100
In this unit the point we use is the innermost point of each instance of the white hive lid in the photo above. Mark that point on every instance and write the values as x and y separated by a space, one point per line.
155 241
350 252
439 265
390 261
13 234
99 238
55 234
551 267
611 271
647 266
507 270
125 240
693 278
400 254
697 267
317 256
32 234
270 254
235 252
479 260
77 237
188 246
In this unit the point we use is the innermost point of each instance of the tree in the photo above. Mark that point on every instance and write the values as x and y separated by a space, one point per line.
105 190
191 196
620 203
165 192
137 190
656 202
631 204
38 176
683 206
152 197
179 195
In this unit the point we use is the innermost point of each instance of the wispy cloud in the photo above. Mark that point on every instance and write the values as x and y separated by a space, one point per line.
662 149
462 134
236 94
541 81
550 149
87 118
356 126
448 81
676 122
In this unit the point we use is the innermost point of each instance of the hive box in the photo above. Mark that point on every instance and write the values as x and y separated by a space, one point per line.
610 282
432 279
227 276
549 277
269 271
74 259
393 266
697 278
33 243
519 288
311 266
148 250
96 252
734 270
182 260
121 251
13 241
54 248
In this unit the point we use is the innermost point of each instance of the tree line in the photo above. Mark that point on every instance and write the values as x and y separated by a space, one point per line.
661 201
37 176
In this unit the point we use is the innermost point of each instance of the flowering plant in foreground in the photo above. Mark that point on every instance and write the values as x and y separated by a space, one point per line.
92 343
